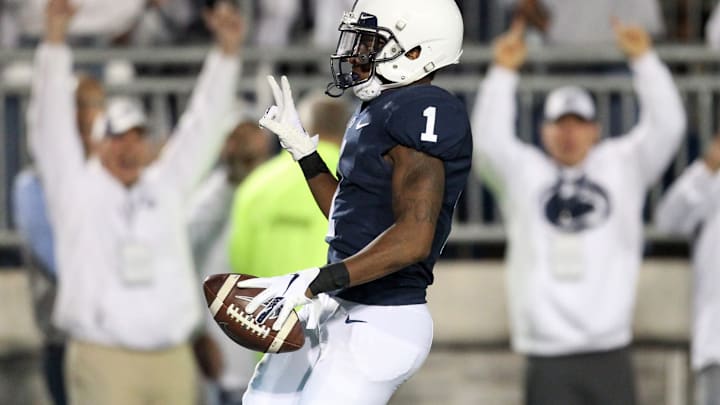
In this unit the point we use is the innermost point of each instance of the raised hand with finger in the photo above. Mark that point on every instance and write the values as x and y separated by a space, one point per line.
283 120
509 50
58 14
227 25
633 40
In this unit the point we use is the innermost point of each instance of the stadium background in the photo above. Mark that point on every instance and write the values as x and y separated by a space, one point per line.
471 361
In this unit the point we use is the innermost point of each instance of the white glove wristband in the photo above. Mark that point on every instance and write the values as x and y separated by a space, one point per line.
283 120
293 138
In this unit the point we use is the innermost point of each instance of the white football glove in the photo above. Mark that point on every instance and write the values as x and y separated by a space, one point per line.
309 314
283 120
289 290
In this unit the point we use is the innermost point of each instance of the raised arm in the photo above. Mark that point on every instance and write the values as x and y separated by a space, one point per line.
53 133
208 214
199 136
283 120
496 147
694 196
659 132
712 28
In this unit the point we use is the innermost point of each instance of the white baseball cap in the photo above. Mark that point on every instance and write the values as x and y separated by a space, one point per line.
123 114
569 100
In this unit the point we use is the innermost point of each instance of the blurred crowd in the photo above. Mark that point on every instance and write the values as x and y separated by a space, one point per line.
173 22
107 214
278 23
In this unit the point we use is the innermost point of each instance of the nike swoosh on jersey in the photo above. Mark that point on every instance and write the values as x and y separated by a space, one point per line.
362 124
348 320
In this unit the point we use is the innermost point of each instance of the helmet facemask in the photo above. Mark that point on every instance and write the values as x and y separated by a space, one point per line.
360 46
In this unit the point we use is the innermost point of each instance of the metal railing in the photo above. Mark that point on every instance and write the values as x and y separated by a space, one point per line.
478 219
472 55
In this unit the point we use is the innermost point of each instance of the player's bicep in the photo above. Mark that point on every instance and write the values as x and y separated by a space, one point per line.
418 186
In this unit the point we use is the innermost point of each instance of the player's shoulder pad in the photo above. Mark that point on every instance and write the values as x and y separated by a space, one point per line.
431 120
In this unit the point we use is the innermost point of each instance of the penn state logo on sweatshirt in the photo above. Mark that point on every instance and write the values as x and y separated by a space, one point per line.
576 203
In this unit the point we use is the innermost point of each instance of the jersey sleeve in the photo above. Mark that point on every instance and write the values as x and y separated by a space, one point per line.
435 125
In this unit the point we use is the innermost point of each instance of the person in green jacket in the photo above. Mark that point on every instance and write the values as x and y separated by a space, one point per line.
274 209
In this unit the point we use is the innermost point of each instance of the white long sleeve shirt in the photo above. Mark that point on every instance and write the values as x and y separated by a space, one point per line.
693 204
209 222
126 276
575 234
208 217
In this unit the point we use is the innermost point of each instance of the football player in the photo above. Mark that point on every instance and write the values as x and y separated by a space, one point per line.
405 159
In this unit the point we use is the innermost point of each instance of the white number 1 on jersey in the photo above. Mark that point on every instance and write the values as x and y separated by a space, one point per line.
429 134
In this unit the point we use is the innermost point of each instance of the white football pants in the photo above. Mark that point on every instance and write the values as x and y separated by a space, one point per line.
360 354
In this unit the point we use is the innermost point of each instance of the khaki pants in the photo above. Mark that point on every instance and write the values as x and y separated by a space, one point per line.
101 375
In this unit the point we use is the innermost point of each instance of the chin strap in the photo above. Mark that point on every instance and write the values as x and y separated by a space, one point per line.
364 91
370 89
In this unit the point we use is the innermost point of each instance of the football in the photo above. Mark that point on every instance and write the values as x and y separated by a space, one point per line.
253 331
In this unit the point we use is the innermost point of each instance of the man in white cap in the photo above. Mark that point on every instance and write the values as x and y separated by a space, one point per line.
574 220
128 296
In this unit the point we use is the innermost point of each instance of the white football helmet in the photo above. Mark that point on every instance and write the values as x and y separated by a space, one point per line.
377 34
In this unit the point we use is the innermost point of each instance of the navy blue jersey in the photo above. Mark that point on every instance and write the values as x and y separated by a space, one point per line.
422 117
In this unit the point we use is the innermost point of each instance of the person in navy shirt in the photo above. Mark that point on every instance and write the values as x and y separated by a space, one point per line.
404 161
